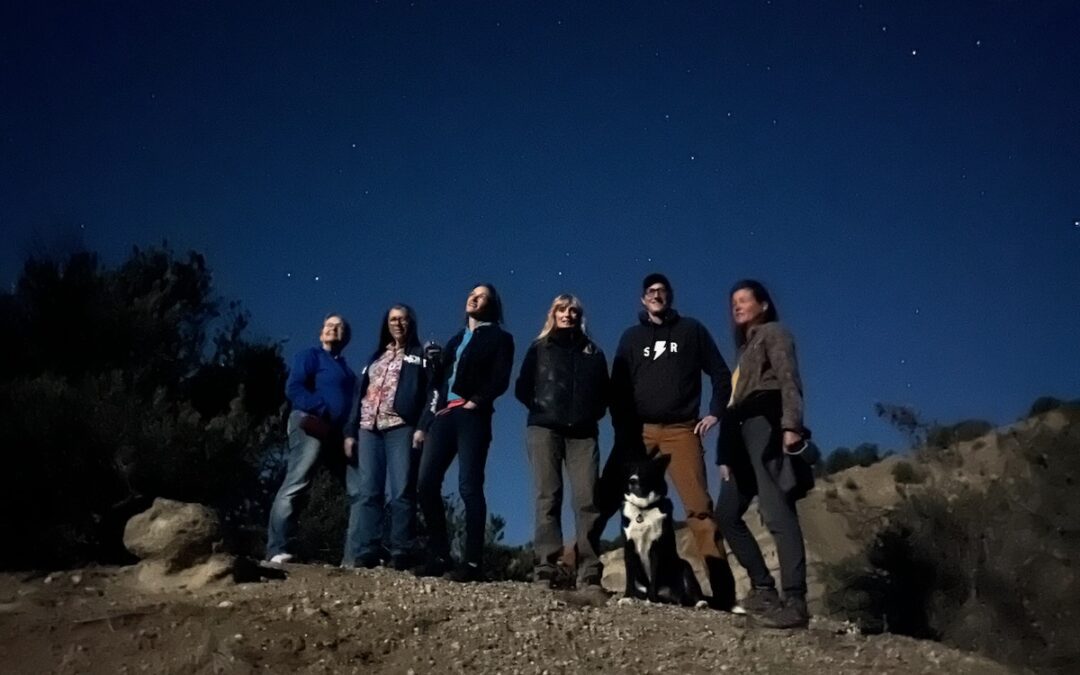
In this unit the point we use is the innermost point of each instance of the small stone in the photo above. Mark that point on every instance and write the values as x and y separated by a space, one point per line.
76 579
225 604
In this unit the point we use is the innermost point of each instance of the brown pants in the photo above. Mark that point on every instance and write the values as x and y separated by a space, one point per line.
687 473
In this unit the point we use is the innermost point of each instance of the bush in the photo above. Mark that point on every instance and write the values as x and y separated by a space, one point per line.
906 473
121 385
989 571
1044 404
968 430
864 454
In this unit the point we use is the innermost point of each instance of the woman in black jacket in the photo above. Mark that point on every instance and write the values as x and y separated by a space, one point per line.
382 441
473 371
564 384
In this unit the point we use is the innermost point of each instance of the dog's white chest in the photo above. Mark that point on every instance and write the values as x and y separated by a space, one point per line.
643 527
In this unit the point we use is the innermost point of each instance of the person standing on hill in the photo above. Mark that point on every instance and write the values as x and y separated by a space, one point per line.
382 441
564 384
761 436
320 389
474 371
656 403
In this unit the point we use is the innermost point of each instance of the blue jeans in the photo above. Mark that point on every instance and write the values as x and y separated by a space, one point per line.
304 455
465 434
381 455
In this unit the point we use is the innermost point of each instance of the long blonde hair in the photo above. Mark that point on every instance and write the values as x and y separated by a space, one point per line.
562 301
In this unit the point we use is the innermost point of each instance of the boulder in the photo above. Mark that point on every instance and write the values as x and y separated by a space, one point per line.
175 534
176 543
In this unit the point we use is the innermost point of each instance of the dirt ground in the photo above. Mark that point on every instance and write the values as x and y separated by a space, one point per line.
328 620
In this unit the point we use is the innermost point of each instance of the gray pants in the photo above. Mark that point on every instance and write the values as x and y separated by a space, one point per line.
548 450
760 438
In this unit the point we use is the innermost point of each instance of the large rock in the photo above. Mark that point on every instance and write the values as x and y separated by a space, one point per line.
176 543
176 534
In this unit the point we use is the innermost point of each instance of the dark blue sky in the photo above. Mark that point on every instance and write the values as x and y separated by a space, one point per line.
905 176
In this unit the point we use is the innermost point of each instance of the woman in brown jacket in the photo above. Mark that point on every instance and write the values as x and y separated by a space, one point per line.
762 430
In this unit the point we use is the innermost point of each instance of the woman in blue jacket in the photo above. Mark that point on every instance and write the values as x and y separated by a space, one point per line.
382 442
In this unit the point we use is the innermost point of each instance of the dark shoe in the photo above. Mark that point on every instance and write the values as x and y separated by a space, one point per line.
758 601
401 563
543 577
467 573
791 614
433 567
368 562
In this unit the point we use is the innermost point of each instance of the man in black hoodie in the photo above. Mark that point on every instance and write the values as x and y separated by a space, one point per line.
656 403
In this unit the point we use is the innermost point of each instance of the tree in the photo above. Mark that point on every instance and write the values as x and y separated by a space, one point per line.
120 385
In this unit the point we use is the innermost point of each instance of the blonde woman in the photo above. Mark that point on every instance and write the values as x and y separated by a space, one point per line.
564 384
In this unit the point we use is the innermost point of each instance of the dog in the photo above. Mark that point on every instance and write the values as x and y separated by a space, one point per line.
654 570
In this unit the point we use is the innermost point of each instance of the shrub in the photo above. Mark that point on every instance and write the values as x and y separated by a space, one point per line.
1044 404
906 473
989 571
120 385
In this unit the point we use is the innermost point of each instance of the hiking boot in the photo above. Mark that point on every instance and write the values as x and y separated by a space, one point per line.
758 601
543 578
467 573
432 567
401 563
791 614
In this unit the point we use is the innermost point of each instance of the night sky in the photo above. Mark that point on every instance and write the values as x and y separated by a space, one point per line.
904 176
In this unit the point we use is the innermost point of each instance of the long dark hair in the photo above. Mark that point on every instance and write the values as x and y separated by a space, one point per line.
761 294
494 310
412 333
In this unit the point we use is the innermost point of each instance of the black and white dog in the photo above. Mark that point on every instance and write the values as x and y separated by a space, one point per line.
654 570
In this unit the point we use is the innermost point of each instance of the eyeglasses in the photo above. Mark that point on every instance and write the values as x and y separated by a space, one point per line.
651 292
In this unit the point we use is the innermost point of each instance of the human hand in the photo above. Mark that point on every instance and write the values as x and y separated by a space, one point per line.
792 440
725 473
706 423
350 447
469 405
418 438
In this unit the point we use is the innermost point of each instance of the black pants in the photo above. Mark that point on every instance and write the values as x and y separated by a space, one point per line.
761 437
465 434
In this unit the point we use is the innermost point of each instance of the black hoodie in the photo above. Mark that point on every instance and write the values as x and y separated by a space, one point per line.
656 374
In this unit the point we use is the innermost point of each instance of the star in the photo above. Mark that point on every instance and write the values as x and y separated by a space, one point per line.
914 52
288 275
316 277
691 158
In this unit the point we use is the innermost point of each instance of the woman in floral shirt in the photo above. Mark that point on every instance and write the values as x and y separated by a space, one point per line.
382 442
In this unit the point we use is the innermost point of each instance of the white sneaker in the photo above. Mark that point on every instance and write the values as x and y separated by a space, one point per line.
281 558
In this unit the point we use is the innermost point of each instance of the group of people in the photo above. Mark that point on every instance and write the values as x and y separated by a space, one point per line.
415 408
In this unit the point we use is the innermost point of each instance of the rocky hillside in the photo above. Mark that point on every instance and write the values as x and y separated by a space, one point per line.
323 620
